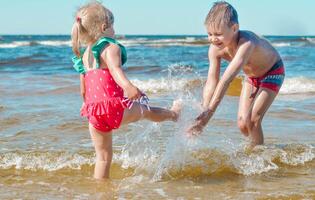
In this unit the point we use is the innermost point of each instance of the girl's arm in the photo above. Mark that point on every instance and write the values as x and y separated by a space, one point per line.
112 58
82 87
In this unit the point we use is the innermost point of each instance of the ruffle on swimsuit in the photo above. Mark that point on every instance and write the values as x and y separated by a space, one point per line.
103 108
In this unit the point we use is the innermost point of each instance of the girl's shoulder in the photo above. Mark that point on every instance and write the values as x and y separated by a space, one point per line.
112 45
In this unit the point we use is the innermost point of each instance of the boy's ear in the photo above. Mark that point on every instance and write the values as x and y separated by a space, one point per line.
235 27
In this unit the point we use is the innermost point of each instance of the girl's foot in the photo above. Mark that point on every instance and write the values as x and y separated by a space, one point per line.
176 108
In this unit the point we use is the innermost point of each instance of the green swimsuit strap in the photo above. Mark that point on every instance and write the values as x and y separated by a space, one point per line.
97 49
102 43
78 63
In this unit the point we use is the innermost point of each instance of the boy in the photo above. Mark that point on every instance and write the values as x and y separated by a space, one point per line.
245 50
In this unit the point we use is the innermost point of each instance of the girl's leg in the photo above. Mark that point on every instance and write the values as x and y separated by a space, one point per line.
156 114
261 104
245 106
103 147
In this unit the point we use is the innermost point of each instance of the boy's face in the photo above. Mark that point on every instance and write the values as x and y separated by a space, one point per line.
221 35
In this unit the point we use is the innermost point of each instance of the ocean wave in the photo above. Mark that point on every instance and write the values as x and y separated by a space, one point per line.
163 41
196 163
49 161
186 41
182 157
311 40
298 85
295 85
183 161
282 44
292 41
55 43
16 44
297 154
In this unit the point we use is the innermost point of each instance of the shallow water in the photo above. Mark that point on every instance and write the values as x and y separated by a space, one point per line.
46 152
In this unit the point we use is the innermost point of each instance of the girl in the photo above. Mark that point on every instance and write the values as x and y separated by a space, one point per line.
103 83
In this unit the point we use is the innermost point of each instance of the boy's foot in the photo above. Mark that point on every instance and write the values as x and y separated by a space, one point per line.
176 108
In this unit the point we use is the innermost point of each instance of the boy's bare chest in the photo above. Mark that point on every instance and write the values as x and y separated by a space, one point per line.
255 65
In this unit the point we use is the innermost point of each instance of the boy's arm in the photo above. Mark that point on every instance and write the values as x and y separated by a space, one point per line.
240 59
213 77
113 60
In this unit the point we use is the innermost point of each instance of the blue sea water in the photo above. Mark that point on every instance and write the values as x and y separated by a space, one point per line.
42 136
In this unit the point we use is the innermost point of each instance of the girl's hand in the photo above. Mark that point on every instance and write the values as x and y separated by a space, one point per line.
82 107
133 93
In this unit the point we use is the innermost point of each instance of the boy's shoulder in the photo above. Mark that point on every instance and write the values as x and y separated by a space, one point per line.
248 36
243 37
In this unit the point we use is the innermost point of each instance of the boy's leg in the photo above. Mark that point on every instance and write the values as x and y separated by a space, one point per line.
261 104
245 106
156 114
103 147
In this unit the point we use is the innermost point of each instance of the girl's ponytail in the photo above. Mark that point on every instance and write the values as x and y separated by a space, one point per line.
75 39
78 36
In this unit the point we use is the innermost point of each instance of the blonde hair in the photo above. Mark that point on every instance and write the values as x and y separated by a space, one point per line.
88 23
221 12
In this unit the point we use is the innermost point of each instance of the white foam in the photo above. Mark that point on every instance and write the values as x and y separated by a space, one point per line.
161 192
297 85
144 153
187 41
162 84
300 158
311 40
254 163
43 160
281 44
15 44
55 43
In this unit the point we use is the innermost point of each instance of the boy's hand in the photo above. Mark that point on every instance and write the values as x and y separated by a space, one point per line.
133 93
200 122
195 129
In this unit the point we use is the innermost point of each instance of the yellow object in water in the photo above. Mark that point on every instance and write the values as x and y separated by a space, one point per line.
235 87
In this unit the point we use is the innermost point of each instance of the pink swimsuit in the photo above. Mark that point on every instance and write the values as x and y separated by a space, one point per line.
104 102
104 105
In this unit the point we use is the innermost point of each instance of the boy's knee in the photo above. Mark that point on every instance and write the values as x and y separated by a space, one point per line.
254 121
242 125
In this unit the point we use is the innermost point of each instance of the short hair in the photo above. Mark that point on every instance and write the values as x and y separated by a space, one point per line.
222 12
